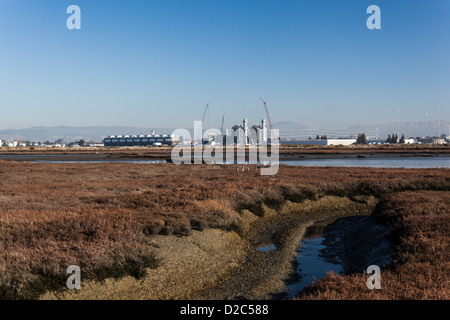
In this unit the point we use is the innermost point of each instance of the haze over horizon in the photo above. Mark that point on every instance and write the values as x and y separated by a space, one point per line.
288 130
157 64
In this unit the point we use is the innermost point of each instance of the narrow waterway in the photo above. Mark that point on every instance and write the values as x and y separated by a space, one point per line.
311 264
345 245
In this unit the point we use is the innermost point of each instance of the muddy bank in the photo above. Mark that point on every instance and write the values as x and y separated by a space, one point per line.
286 152
81 157
187 265
161 157
264 273
219 264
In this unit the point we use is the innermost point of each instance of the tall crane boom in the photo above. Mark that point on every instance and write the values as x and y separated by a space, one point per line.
268 119
204 113
221 128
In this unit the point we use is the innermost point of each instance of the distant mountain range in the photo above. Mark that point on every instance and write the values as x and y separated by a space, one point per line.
409 129
69 134
288 130
292 130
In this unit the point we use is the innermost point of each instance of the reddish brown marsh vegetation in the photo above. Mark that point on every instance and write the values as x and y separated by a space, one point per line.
420 227
101 216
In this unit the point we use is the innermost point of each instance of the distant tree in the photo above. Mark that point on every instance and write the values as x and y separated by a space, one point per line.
60 141
361 139
389 139
393 138
81 143
402 139
317 137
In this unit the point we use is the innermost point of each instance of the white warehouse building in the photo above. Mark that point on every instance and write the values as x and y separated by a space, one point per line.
321 142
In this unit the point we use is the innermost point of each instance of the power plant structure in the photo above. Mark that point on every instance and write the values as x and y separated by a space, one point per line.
238 135
242 135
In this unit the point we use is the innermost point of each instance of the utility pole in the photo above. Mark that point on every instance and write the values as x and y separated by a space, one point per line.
439 122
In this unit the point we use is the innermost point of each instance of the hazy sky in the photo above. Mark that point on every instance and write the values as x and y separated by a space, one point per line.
158 63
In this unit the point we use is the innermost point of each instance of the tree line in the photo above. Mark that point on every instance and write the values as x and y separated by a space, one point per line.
390 139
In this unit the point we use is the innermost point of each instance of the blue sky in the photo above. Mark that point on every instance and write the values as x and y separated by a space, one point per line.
158 63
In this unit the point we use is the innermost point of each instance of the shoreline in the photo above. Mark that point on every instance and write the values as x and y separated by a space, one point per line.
284 150
100 157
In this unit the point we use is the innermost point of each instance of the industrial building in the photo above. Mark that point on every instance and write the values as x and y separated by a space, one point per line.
321 142
140 140
242 135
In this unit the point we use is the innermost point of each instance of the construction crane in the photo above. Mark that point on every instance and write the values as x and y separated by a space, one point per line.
204 113
268 119
221 128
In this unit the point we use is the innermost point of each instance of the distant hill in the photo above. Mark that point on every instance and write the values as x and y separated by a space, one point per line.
409 129
74 133
289 125
288 129
291 130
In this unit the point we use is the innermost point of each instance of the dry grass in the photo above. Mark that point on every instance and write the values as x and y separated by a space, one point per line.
102 216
